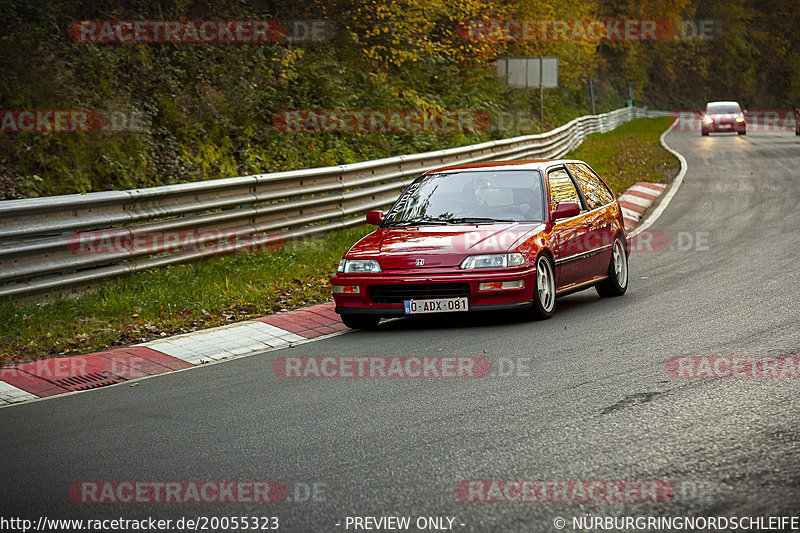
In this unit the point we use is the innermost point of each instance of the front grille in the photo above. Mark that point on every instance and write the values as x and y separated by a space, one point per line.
396 294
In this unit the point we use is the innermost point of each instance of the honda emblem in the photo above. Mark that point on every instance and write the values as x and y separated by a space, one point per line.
420 262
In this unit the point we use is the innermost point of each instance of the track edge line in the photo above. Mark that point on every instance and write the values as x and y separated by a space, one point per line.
674 186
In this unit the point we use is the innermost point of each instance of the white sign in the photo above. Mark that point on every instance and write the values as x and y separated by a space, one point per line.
529 72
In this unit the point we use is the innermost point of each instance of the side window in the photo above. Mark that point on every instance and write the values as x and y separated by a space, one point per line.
561 188
595 192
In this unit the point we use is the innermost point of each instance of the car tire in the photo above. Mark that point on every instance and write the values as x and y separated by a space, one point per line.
544 289
704 133
361 321
797 132
742 132
617 282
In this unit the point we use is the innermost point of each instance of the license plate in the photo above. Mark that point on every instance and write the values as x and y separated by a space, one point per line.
725 126
438 305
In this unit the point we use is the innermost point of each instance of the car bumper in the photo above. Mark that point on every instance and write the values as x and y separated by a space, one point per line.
369 301
725 127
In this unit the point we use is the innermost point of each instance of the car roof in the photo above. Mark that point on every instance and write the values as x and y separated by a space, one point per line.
525 164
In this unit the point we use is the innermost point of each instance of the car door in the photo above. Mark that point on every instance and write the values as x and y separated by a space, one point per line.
572 263
601 230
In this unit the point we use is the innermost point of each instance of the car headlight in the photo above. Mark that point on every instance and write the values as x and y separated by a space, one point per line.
740 118
493 261
358 266
707 119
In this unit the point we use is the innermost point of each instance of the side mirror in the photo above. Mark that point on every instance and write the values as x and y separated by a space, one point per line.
565 210
375 218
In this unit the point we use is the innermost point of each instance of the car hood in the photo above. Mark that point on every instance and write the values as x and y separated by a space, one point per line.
439 246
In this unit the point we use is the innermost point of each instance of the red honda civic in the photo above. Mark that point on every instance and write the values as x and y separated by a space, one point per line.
485 237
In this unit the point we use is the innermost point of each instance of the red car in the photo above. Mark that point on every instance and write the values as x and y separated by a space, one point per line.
485 237
723 117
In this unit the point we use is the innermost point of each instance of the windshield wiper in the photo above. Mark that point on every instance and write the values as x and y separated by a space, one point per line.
476 220
415 222
448 221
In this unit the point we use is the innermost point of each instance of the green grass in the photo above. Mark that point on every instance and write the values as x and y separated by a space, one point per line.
174 299
629 153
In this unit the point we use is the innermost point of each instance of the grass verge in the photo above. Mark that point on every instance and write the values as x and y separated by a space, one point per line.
629 153
223 289
174 299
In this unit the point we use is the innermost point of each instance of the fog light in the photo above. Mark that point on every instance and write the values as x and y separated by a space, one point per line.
500 285
346 289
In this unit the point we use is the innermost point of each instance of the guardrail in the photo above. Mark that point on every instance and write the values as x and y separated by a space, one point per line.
40 249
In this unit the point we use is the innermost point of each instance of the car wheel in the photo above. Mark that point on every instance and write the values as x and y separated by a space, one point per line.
797 132
704 133
617 282
742 132
544 290
361 321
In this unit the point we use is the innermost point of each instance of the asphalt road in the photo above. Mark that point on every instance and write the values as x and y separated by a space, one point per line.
596 403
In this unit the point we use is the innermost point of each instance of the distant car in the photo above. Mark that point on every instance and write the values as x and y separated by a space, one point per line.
724 117
486 237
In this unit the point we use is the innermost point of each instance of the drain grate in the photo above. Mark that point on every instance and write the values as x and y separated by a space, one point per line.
87 381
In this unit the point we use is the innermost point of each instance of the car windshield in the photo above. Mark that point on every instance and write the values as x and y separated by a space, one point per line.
470 197
723 109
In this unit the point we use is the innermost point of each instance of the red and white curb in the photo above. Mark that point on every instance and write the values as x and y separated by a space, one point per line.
51 377
635 201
